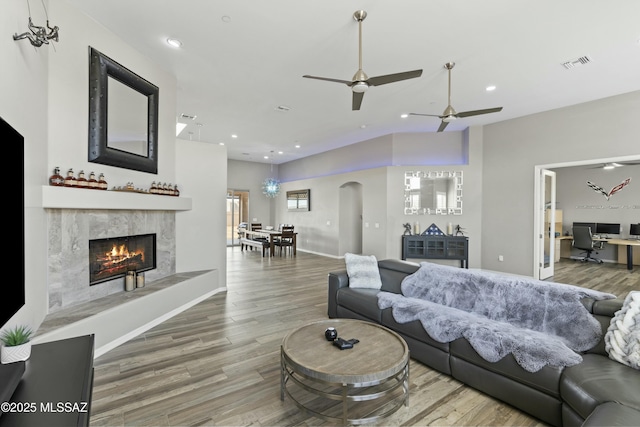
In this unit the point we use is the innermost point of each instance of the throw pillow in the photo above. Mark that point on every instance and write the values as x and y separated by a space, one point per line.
363 271
622 340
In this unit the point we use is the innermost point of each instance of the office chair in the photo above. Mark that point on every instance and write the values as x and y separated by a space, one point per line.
582 239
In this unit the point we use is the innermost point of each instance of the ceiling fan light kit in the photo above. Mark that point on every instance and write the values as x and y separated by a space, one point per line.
450 113
360 87
360 81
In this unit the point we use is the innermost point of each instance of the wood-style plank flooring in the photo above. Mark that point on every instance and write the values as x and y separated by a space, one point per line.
217 364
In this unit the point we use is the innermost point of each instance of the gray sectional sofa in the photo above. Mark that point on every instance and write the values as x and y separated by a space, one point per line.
596 392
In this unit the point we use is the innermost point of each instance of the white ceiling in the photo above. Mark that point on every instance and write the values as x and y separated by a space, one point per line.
241 59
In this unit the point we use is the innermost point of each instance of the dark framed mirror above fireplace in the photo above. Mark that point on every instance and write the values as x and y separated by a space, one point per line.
113 257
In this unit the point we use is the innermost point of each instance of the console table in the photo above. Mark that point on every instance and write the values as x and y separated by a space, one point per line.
56 387
436 247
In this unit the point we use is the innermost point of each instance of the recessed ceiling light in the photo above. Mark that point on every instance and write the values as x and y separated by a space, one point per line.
234 135
490 88
280 152
363 126
297 146
220 143
266 157
174 42
404 116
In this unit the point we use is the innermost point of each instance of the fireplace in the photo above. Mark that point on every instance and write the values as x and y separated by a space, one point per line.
114 257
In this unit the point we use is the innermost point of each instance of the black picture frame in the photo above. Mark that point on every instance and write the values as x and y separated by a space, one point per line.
299 200
101 67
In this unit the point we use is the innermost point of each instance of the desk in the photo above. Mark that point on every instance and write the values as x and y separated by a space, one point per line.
629 244
618 242
271 234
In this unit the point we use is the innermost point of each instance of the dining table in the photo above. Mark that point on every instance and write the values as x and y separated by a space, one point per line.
272 235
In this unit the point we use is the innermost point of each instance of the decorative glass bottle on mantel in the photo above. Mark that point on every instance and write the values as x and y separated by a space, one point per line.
82 182
92 183
56 179
102 184
70 180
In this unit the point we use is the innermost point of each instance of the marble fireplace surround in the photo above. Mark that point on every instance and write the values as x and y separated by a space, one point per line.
74 216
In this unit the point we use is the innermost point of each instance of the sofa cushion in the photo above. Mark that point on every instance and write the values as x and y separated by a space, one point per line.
363 271
362 301
612 414
598 380
546 380
392 272
411 329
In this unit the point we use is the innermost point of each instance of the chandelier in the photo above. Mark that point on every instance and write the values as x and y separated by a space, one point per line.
271 187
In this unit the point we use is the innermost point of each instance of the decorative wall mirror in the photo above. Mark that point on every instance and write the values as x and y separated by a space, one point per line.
299 200
433 193
123 116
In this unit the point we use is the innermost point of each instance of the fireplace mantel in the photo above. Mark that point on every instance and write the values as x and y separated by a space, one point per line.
78 198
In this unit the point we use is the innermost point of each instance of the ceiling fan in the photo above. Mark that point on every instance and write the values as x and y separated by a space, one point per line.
360 81
450 114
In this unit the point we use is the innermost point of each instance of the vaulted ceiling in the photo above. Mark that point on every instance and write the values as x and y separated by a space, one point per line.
240 66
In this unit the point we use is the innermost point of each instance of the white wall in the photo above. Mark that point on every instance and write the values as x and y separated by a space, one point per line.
199 167
24 105
604 128
581 203
69 98
249 176
45 98
383 191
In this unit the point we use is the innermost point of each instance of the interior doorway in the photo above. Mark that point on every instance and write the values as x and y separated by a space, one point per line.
237 213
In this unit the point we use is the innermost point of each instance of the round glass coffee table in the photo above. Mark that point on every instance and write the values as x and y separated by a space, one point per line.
355 386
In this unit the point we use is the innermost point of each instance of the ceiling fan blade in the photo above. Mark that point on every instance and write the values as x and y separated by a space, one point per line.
427 115
478 112
346 82
442 126
390 78
357 100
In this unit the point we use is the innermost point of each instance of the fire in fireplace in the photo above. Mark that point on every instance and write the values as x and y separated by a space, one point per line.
113 257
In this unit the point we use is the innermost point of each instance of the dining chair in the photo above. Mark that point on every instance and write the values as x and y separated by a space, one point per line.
255 226
285 241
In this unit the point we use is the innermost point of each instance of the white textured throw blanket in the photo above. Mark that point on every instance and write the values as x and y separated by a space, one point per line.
622 340
540 323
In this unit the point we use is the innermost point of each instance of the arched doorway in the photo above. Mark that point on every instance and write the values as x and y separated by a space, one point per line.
350 218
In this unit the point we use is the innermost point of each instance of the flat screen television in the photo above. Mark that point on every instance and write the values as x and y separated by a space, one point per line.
607 228
592 225
13 290
634 230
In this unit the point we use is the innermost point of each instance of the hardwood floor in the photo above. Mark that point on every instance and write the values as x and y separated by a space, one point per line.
218 363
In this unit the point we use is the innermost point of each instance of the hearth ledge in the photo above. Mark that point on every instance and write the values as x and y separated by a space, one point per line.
78 198
117 318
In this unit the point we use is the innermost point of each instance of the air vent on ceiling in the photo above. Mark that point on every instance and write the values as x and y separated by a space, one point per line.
282 108
583 60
